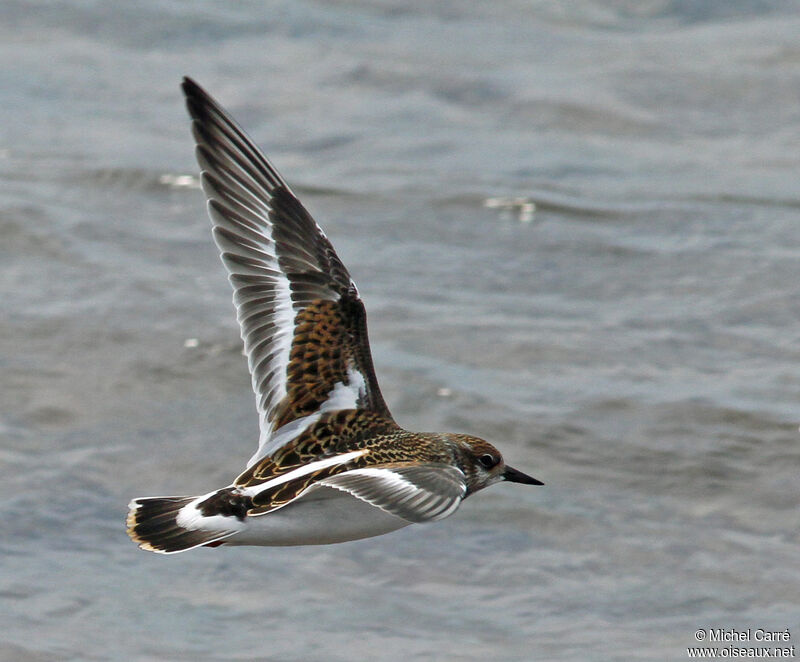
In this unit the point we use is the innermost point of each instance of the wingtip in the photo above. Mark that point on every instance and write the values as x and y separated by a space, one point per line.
189 85
195 96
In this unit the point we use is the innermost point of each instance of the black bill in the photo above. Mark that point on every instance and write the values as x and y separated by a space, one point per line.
514 476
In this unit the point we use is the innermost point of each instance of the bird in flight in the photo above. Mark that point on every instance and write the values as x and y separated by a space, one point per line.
332 465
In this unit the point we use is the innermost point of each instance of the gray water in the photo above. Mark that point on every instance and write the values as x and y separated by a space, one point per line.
635 342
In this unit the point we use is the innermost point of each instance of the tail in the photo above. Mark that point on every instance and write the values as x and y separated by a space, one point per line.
167 525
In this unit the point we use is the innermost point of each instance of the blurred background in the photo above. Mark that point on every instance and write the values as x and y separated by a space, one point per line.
576 228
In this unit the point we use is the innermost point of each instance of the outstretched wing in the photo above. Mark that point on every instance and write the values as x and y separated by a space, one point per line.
303 324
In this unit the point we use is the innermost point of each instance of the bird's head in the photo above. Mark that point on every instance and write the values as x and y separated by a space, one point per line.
483 465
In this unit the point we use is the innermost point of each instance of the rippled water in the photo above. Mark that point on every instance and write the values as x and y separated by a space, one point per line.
634 341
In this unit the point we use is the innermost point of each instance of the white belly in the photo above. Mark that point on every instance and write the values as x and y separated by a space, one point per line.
324 516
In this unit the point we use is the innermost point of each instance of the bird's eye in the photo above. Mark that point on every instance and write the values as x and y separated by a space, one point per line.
488 461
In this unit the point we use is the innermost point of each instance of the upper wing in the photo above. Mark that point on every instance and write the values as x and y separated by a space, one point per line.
303 324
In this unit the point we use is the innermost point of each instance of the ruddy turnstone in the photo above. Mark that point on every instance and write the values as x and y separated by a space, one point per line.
331 465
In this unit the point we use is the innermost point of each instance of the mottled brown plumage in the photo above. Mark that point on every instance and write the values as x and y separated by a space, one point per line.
327 339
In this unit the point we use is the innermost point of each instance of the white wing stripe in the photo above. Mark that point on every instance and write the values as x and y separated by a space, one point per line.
342 396
302 471
346 396
253 256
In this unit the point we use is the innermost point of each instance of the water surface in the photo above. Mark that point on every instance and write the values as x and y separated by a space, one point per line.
634 344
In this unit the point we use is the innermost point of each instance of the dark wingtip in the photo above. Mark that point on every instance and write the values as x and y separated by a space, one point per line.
196 97
514 476
189 86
